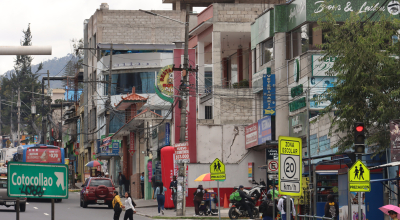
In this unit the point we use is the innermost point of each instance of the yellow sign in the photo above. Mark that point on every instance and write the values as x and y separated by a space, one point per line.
359 178
290 174
269 111
165 80
217 170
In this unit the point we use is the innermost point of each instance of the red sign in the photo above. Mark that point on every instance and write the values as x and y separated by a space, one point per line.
132 143
191 122
273 166
43 155
182 152
251 135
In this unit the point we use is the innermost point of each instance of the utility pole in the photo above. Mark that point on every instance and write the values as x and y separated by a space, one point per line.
11 120
108 102
184 96
19 116
308 142
49 94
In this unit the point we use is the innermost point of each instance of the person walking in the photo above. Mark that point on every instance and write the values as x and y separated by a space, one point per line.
266 208
129 207
331 209
173 185
142 184
198 197
121 182
117 205
282 207
160 192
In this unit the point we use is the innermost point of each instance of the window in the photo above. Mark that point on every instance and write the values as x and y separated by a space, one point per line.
267 51
93 119
208 81
99 182
3 183
208 112
302 40
157 111
117 120
122 83
94 82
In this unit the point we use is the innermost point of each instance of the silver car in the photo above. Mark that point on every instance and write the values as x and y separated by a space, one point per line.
7 201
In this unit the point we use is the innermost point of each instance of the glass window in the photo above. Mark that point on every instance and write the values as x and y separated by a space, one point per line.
267 50
208 81
99 182
301 40
157 111
117 120
3 183
122 83
208 111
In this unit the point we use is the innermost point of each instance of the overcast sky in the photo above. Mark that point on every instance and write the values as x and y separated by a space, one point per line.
55 22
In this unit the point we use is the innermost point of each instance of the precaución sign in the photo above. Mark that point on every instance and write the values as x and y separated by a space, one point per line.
217 170
359 178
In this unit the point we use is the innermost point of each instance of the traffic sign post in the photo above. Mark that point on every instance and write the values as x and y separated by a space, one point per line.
36 180
273 166
217 172
359 181
290 166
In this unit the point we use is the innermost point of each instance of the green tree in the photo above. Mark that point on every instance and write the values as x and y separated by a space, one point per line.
367 68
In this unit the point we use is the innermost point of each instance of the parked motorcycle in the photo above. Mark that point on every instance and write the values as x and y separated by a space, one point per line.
256 191
237 210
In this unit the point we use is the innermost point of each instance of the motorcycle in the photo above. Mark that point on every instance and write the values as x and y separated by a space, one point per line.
256 191
237 210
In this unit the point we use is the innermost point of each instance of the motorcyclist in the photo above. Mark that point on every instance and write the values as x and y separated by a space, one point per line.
243 203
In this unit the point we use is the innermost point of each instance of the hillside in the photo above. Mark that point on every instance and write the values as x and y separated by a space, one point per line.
55 66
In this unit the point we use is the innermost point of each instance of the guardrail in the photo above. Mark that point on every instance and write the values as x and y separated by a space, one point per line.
313 217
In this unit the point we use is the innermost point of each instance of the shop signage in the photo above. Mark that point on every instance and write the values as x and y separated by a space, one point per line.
320 66
297 104
182 152
359 178
272 154
251 134
290 154
163 135
257 79
217 170
318 89
296 69
269 97
250 171
115 147
262 28
165 83
264 130
150 169
296 91
297 125
104 144
395 140
37 180
131 143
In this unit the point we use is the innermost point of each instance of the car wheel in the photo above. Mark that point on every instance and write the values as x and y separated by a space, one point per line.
22 207
84 205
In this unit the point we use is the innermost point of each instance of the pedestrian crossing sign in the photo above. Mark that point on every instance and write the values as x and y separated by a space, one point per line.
217 170
359 178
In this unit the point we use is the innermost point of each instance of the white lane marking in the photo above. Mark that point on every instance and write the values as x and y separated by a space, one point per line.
35 207
46 214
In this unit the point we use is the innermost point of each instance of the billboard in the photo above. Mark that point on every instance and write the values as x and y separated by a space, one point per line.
319 86
269 97
264 130
298 125
251 135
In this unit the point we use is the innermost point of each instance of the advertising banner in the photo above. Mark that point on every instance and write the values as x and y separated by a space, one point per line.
298 125
269 97
395 140
115 147
182 152
44 155
251 135
264 130
319 85
132 143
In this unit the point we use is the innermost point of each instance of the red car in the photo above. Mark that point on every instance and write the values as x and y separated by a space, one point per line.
97 190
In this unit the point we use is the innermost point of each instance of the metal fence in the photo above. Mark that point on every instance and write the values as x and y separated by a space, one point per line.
313 217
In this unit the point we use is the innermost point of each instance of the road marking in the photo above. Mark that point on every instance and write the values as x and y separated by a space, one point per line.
35 207
46 214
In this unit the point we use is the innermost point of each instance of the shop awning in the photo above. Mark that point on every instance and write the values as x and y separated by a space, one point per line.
266 145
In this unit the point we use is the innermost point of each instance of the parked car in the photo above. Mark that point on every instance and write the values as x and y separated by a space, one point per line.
97 190
7 201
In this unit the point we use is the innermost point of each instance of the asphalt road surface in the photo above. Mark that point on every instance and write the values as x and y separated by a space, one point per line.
68 209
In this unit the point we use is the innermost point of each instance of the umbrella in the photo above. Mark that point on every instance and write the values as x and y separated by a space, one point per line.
203 177
94 163
385 209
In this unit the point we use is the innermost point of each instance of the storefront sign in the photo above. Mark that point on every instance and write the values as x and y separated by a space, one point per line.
319 66
251 135
297 125
319 86
264 130
272 154
165 83
104 144
298 104
182 152
115 147
269 95
163 135
395 140
262 28
132 143
150 169
296 91
250 171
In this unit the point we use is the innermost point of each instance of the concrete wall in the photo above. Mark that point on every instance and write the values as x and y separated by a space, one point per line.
235 12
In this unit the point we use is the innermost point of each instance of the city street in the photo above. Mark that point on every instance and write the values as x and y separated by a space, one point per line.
66 210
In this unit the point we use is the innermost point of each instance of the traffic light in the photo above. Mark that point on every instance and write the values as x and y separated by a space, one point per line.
359 138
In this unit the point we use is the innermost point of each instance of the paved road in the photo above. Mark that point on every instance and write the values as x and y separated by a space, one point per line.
68 209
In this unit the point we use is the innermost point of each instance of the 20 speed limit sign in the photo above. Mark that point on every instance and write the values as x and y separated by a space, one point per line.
290 166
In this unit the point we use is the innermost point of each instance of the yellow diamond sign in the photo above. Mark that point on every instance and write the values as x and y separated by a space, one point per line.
217 170
359 178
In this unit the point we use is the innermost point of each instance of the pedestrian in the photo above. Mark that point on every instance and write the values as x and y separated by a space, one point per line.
393 215
160 192
282 207
274 193
117 205
331 208
121 182
173 185
129 207
154 186
142 184
198 197
266 208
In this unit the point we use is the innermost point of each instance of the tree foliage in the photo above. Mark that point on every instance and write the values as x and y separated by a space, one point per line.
367 68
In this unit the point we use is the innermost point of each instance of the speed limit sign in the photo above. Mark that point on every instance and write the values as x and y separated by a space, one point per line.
290 166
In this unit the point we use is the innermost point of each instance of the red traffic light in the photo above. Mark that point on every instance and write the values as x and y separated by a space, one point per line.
359 128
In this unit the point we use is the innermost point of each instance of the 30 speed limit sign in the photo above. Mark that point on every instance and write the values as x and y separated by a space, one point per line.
289 166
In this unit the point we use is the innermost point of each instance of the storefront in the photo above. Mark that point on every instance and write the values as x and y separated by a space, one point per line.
109 152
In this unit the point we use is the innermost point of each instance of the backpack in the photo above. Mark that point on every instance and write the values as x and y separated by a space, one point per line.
117 207
235 196
284 205
266 208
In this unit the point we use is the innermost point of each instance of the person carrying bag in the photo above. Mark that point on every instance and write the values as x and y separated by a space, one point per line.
117 205
129 207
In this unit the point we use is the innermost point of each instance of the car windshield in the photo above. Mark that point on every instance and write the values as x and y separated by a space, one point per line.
3 183
99 182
